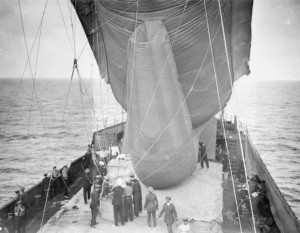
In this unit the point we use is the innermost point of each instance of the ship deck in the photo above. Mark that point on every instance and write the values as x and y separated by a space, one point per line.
200 197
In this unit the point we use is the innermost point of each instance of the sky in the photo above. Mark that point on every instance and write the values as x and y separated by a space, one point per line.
275 52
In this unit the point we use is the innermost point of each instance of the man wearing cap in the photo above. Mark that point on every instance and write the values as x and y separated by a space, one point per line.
94 205
24 200
98 198
98 183
137 195
170 214
106 187
18 195
45 187
98 180
128 201
225 172
117 202
87 184
20 217
151 205
185 227
87 160
203 152
55 182
65 181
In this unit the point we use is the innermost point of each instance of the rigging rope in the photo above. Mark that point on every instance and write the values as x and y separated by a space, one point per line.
101 97
241 145
219 99
66 103
72 27
65 27
28 59
131 83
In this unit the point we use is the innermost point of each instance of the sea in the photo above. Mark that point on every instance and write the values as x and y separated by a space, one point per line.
50 122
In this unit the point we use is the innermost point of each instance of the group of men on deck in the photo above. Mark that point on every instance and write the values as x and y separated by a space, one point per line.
126 201
56 184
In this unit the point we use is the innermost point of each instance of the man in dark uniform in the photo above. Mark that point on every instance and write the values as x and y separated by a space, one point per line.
87 161
45 187
98 180
128 201
55 181
106 187
18 195
170 214
25 201
137 195
117 202
225 172
20 217
94 205
203 151
87 184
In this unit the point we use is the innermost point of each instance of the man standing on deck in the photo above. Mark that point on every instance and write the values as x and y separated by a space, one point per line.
137 194
24 200
20 217
65 181
98 180
225 172
87 184
18 195
128 201
151 205
117 202
203 152
94 205
55 182
88 155
170 214
114 151
46 187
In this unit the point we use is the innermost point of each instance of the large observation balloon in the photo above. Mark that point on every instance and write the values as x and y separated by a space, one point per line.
171 65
